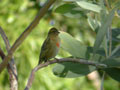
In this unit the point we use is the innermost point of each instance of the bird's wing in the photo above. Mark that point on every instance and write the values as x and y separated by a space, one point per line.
45 45
44 49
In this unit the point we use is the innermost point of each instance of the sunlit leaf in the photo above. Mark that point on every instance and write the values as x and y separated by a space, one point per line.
89 6
77 49
73 46
93 23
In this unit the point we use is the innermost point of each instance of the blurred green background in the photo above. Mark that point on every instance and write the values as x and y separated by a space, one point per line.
15 16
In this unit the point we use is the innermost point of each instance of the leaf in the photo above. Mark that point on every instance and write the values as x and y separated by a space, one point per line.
113 73
102 30
73 46
103 12
116 35
65 8
77 49
70 10
89 6
70 0
72 70
116 52
93 23
112 62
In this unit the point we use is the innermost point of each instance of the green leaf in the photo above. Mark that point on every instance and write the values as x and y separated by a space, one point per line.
102 30
112 62
89 6
65 8
116 35
70 0
70 10
77 49
113 73
103 12
72 70
93 23
116 52
73 46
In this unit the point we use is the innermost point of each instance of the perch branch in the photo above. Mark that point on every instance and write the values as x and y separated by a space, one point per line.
31 77
12 70
24 35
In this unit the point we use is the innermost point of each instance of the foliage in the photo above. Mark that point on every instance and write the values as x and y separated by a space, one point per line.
71 16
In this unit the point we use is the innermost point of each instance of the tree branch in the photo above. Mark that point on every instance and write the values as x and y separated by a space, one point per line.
2 55
31 77
12 70
24 35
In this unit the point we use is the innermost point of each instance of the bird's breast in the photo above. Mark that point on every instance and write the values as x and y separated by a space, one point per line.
58 44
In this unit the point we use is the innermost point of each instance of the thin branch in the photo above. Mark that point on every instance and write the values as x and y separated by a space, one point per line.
24 35
7 44
2 55
102 82
31 77
12 70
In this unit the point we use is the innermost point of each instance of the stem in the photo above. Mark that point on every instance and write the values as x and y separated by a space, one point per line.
102 82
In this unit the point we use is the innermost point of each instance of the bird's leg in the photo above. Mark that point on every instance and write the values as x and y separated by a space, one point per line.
45 60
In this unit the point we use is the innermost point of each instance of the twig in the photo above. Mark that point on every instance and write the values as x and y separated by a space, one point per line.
24 35
102 82
6 41
31 78
2 55
12 70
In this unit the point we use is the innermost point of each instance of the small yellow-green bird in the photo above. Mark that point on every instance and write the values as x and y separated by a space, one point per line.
50 46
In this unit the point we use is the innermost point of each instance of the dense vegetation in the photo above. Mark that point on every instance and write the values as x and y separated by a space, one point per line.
82 21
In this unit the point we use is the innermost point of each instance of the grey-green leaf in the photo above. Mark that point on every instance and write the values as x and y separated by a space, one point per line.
93 23
77 49
72 70
103 29
89 6
73 46
112 62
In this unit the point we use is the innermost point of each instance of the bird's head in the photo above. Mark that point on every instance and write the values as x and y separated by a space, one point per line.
53 32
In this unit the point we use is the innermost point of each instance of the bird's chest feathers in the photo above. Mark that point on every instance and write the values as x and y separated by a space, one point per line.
55 42
58 44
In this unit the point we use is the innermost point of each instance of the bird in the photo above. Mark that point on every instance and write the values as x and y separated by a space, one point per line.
50 46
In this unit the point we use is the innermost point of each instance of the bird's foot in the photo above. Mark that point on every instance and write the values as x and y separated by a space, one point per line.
57 59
